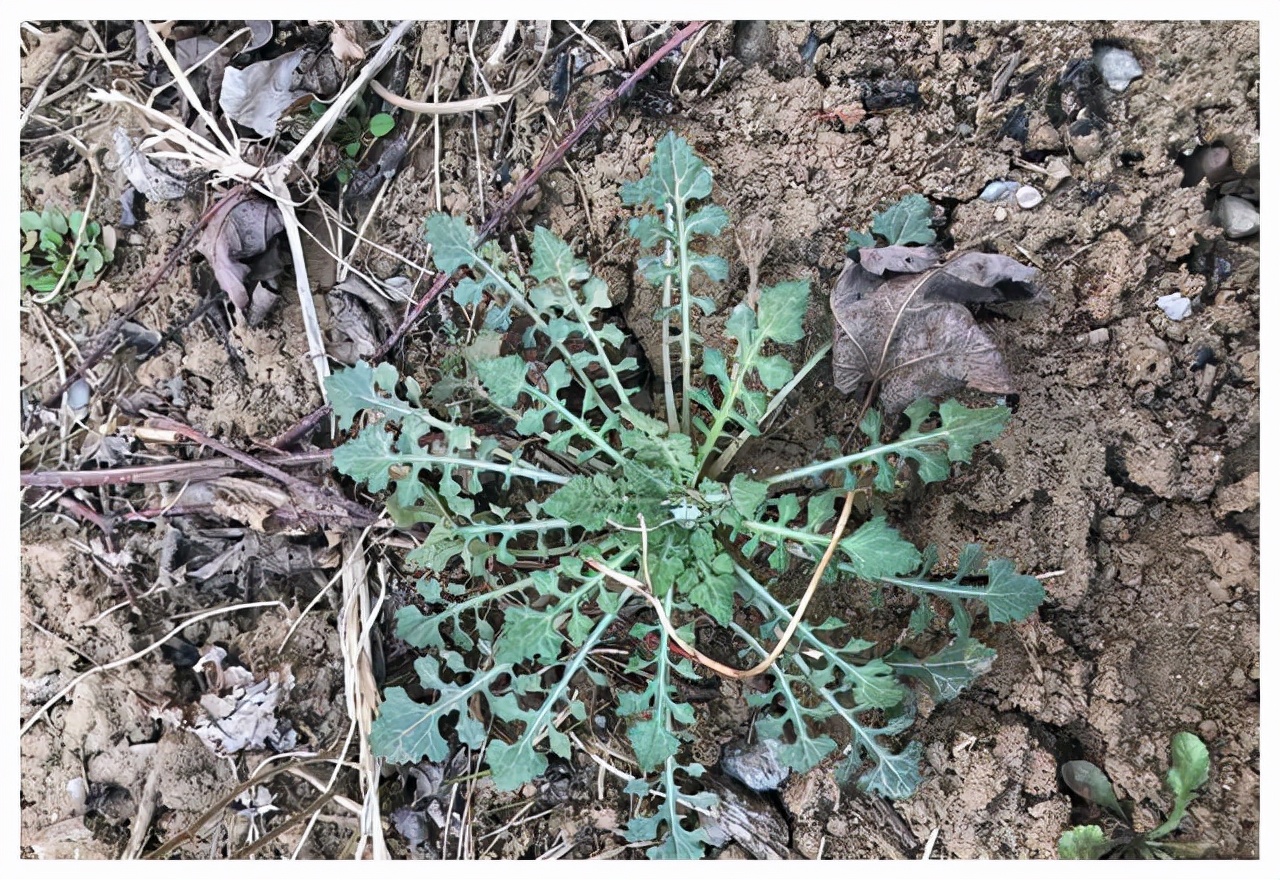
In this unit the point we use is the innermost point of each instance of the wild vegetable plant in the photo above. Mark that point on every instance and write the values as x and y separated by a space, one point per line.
577 520
55 244
1188 771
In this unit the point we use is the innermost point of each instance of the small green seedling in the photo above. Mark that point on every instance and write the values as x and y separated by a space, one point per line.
354 132
49 246
1189 772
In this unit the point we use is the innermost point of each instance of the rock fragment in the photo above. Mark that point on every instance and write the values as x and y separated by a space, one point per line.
1238 217
1117 66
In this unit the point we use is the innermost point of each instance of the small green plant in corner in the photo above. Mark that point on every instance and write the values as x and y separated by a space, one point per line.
1189 771
577 520
54 245
354 132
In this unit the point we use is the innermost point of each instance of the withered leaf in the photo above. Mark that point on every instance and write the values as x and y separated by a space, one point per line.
908 331
240 229
257 96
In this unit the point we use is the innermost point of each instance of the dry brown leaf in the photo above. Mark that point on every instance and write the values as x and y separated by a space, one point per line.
240 229
908 333
345 49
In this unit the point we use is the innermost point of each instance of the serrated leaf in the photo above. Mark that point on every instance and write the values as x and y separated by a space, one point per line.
876 550
859 240
553 258
503 378
1009 595
405 731
1190 768
906 221
527 634
676 176
511 766
652 743
774 371
747 495
781 311
451 242
1084 842
947 672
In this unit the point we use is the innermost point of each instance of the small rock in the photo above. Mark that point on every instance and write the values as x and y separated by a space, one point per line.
999 191
1059 172
1237 217
1175 305
753 43
1001 215
1044 137
1086 140
1117 66
77 397
1208 163
964 129
1208 730
755 765
1028 197
1100 336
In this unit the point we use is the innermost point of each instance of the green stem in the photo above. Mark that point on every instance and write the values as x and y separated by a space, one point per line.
686 321
538 475
933 438
577 422
668 385
743 363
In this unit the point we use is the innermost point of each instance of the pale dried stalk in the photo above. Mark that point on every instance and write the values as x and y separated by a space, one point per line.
358 617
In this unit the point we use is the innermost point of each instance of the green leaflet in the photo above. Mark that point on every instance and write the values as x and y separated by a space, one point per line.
1084 842
405 731
947 672
906 221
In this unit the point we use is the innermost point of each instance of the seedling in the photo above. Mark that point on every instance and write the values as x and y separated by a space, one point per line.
576 510
354 132
1189 771
54 245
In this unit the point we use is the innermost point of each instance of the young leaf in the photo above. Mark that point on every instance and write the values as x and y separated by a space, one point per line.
381 124
451 242
906 221
781 311
876 550
1086 780
1189 771
1084 842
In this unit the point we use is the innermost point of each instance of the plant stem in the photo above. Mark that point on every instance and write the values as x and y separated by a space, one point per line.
686 321
930 439
668 384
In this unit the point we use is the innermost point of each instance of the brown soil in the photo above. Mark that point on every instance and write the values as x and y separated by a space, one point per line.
1130 466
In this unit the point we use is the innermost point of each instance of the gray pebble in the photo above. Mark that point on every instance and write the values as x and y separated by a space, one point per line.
999 190
755 765
1117 66
1237 217
77 397
1175 305
1028 197
1086 139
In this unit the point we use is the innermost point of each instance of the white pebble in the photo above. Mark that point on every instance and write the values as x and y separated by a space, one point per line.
1175 305
1028 196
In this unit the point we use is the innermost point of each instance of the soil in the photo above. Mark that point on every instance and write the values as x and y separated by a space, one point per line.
1128 475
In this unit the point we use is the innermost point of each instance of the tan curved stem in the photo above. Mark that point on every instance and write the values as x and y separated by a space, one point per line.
715 665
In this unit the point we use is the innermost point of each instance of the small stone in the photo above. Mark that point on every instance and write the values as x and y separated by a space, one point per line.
77 397
1099 336
1237 217
1208 730
1117 66
1086 140
1059 172
964 129
755 765
999 190
1001 215
1044 137
1028 197
1175 305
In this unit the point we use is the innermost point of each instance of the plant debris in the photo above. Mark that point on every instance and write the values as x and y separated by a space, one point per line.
900 323
241 228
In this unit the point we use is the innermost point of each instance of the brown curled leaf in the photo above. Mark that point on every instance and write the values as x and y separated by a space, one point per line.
908 333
